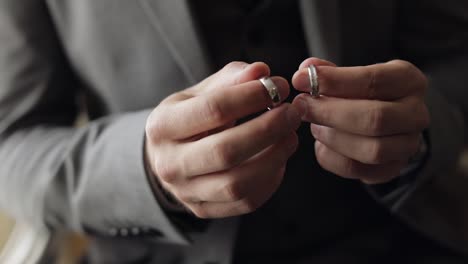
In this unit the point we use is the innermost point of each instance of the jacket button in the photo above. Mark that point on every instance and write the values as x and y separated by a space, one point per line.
135 231
113 232
123 232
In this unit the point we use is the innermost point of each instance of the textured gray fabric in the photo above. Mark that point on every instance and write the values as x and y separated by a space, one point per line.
126 56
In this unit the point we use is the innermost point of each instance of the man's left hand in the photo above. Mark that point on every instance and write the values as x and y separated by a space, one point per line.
367 120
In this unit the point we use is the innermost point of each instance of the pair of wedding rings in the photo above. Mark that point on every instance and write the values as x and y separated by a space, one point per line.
273 90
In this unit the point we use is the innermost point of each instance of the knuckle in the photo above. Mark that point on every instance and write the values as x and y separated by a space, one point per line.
200 211
349 168
179 195
234 191
250 205
422 118
376 153
375 123
422 81
372 83
165 171
425 116
213 111
404 65
153 127
234 65
182 195
225 155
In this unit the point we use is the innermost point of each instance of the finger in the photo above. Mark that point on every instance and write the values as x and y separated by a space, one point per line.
207 210
368 150
386 81
214 109
316 62
301 77
365 117
233 146
243 181
351 169
232 74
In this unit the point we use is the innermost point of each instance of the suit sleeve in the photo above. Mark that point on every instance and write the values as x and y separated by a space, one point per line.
434 35
90 179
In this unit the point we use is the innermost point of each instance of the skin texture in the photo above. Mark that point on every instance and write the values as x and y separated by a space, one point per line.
216 169
367 123
368 120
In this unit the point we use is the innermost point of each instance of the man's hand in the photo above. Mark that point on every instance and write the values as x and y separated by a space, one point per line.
368 120
214 168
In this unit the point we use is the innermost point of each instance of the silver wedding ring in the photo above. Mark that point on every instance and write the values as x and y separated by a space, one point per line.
272 90
313 79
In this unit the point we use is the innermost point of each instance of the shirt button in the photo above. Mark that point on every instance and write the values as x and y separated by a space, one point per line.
124 232
135 231
113 232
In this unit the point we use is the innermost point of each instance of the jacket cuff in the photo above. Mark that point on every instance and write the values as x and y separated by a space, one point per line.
122 203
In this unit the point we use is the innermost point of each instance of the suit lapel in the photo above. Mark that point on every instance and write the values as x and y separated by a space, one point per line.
178 31
322 28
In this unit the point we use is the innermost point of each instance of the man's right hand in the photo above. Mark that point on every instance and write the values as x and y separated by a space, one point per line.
212 166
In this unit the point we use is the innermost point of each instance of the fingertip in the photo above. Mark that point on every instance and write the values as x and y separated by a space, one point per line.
301 81
254 71
315 61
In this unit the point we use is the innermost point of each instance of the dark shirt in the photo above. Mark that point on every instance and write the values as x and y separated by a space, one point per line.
314 216
258 30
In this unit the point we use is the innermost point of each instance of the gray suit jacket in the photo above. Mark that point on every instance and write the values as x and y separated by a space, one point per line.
120 58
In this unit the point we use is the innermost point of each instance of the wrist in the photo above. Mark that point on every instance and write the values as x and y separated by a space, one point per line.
163 196
176 211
